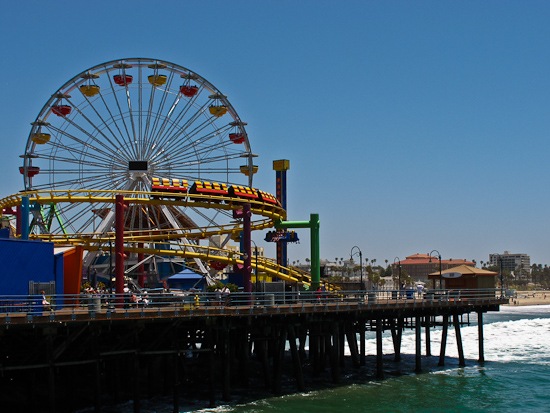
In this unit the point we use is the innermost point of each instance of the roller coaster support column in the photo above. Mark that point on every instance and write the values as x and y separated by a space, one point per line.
25 210
313 224
120 207
246 247
280 167
141 268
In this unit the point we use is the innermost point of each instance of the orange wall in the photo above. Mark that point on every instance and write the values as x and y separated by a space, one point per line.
72 270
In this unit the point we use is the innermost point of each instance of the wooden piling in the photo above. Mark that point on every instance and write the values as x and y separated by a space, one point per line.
456 321
418 347
443 340
480 336
379 353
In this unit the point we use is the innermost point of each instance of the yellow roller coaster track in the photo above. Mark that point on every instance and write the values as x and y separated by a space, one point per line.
94 241
270 213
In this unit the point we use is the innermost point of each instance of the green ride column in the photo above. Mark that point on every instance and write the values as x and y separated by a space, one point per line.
313 224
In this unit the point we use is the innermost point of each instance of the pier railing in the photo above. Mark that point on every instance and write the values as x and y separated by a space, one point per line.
104 305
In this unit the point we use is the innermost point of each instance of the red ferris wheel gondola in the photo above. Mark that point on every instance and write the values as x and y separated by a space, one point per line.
123 80
61 110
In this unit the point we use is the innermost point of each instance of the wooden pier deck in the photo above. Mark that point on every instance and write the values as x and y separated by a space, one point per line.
203 346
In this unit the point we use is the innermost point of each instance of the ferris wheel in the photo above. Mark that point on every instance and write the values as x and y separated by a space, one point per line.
125 119
116 126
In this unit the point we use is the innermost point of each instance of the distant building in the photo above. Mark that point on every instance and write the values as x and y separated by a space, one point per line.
418 266
518 264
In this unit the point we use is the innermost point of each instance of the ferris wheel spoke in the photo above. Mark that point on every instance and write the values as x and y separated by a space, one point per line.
59 157
180 116
86 147
115 139
73 180
215 134
158 137
96 128
200 154
160 110
189 144
182 130
164 137
121 116
74 219
210 221
66 154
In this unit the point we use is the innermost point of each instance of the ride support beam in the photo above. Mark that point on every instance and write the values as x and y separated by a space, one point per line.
141 268
313 224
246 244
281 166
247 239
120 208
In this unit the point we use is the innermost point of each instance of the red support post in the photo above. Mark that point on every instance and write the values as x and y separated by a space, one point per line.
120 208
247 245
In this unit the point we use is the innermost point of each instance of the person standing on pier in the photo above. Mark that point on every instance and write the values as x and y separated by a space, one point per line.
46 306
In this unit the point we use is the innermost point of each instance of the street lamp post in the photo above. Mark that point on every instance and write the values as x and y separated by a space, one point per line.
501 275
399 268
439 258
352 254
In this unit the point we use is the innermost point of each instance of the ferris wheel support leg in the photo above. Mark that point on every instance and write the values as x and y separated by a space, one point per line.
119 249
25 217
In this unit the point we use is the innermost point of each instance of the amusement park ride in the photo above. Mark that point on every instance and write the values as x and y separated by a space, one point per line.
171 146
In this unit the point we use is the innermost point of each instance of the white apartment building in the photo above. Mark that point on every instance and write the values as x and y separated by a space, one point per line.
518 264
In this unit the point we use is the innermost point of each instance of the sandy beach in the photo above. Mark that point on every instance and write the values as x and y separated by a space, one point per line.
530 298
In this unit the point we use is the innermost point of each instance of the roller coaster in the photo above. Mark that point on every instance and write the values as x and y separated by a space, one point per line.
171 144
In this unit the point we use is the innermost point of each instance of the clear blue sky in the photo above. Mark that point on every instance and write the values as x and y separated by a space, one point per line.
410 125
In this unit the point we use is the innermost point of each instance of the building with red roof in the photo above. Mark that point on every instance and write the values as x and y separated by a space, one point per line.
418 266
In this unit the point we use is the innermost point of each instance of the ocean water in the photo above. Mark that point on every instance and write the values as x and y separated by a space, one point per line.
514 378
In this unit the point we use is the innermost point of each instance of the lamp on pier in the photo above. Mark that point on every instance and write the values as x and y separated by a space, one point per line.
499 258
439 258
355 250
399 269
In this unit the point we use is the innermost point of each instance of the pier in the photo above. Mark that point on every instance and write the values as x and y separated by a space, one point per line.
95 351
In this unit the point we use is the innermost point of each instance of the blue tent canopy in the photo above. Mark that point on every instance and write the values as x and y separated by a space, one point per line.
186 279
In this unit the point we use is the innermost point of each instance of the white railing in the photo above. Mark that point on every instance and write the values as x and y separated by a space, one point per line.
192 300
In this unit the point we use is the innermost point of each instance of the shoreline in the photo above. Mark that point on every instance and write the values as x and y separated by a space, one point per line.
525 298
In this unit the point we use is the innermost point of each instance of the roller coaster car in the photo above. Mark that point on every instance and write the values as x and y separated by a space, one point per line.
268 198
244 192
179 186
209 188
